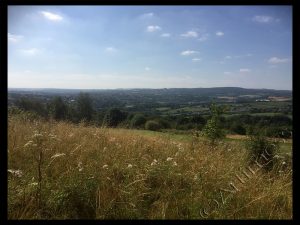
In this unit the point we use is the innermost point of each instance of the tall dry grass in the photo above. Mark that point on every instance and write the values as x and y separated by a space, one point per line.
99 173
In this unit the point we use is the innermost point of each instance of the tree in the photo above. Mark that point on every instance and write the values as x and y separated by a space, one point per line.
138 120
58 109
113 117
212 129
32 105
84 107
152 125
237 128
259 145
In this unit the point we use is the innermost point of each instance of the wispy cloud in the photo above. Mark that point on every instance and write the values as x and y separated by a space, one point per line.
51 16
166 35
110 50
188 52
147 68
14 38
188 34
262 19
219 33
244 70
147 15
275 60
203 37
153 28
237 56
197 59
243 56
30 52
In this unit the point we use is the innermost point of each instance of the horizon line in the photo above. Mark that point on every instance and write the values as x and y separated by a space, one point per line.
148 88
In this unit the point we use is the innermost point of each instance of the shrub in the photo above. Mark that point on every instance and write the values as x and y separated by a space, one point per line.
164 123
152 125
113 117
238 129
138 120
262 150
212 129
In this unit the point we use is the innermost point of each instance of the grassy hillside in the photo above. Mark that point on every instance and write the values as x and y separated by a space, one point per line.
59 170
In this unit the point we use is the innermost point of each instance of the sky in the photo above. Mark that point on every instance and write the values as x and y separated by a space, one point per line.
108 47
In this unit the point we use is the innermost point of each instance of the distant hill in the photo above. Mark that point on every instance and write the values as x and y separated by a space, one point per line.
232 91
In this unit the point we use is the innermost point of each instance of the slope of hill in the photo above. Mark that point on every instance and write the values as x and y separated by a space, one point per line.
59 170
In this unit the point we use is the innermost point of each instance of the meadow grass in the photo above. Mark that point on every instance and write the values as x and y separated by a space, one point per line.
59 170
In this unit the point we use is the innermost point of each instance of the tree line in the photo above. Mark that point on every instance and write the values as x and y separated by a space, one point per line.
82 109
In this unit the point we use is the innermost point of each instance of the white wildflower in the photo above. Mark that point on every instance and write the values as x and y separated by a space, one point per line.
169 159
17 173
129 166
195 177
105 148
283 163
180 148
36 134
154 162
33 184
79 165
28 144
105 166
174 164
57 155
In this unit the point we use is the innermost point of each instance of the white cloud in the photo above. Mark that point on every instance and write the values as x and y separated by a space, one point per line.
227 73
14 38
51 16
30 52
147 15
262 19
197 59
165 35
228 57
275 60
111 49
245 70
147 68
188 34
188 52
203 37
219 33
153 28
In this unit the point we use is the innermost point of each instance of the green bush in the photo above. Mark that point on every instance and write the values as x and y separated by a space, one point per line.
152 125
212 129
238 129
138 120
262 150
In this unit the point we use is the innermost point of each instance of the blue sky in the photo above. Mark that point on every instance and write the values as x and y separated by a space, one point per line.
104 47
